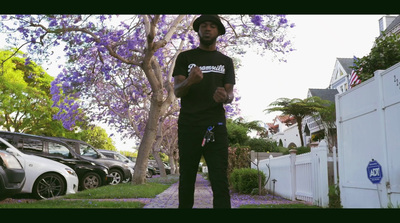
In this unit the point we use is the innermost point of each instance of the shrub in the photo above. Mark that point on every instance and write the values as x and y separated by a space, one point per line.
238 157
304 149
262 145
245 180
334 197
234 179
300 150
383 55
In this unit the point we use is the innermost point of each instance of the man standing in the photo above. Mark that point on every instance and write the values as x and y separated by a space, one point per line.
204 80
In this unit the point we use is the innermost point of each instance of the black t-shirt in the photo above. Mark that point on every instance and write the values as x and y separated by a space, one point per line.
198 106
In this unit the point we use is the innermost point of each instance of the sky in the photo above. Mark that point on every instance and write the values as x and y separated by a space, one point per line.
318 40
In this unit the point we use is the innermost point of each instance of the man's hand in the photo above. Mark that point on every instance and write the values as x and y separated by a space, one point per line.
182 83
220 95
195 76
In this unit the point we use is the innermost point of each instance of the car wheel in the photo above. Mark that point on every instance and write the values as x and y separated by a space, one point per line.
90 180
117 175
149 174
49 185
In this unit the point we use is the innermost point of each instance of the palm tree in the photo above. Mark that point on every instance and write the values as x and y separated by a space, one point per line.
298 108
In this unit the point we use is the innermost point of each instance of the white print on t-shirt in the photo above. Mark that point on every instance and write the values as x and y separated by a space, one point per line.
209 69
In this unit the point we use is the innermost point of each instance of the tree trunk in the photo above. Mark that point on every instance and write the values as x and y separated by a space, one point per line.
299 121
172 164
158 105
160 163
176 161
146 144
156 148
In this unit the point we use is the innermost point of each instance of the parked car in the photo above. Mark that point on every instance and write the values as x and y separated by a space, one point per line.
154 164
12 175
90 173
118 169
44 178
152 170
132 158
118 156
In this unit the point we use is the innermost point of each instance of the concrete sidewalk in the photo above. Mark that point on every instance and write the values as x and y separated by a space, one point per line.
203 197
169 198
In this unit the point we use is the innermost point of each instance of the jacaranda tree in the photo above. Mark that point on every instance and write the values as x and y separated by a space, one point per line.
119 69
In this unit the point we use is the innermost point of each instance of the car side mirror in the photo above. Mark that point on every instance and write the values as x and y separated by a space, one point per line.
9 150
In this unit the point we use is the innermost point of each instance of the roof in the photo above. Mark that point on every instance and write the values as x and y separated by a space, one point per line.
287 119
393 24
346 64
324 94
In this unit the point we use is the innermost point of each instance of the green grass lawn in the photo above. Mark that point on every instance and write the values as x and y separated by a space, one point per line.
82 203
120 191
87 198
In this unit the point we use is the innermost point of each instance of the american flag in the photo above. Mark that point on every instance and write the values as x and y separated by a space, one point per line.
354 79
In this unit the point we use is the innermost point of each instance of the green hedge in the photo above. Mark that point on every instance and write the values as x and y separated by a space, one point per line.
245 180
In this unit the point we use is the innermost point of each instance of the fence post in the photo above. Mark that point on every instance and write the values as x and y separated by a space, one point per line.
293 173
335 176
320 172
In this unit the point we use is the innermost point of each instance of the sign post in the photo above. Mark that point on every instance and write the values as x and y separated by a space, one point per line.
374 173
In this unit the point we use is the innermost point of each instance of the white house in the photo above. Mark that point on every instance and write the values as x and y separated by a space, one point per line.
284 129
341 74
389 25
312 125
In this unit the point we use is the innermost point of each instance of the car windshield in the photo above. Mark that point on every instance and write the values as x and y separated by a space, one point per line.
122 157
86 150
4 144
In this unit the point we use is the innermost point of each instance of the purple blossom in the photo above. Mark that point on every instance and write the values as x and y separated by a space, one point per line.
119 89
27 61
282 21
257 20
53 22
286 44
191 39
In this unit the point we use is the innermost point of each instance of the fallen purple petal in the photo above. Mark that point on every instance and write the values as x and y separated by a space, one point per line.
203 197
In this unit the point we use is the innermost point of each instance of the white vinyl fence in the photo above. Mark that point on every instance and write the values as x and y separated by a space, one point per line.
299 177
368 126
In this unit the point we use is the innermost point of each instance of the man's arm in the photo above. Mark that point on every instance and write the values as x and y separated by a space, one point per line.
182 84
224 94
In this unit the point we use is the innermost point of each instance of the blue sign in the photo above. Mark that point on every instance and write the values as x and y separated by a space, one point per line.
374 172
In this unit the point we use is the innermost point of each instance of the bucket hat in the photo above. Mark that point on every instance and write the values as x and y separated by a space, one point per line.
212 18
